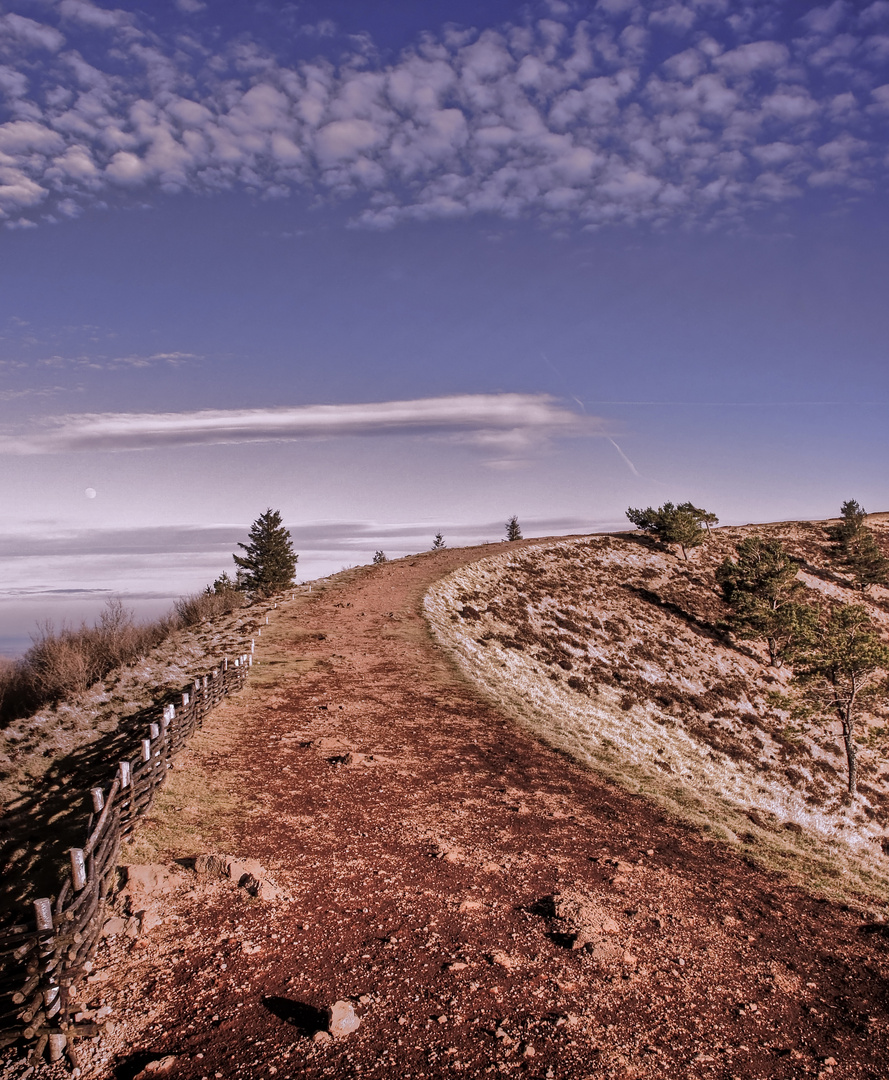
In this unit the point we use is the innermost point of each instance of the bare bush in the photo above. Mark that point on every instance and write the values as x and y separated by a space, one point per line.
67 661
194 609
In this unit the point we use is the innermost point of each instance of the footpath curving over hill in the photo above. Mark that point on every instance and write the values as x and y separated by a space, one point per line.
484 904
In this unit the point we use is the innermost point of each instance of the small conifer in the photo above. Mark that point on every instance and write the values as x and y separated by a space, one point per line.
268 564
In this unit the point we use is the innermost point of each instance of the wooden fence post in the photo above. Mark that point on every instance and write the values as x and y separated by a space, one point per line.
43 914
78 869
52 963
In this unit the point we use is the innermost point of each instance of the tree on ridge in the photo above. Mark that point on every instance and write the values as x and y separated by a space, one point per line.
682 525
857 549
268 564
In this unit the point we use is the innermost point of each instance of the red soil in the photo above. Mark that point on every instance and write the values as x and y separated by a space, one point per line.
416 873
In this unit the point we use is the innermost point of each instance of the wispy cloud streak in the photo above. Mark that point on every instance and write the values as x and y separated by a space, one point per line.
501 422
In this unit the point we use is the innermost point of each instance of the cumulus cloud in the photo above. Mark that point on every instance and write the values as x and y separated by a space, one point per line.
631 113
505 423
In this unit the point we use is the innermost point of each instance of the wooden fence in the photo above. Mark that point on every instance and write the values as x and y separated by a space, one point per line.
44 964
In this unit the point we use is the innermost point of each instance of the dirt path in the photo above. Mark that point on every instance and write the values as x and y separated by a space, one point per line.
417 870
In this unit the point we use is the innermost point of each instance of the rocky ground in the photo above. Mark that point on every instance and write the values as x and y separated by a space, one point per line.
477 902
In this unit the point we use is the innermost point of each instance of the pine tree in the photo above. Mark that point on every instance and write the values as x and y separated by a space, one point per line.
379 558
682 525
268 564
513 529
439 542
842 673
856 548
766 597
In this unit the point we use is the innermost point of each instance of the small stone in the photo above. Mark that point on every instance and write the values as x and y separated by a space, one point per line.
441 1019
157 1068
529 1051
238 869
502 959
114 926
269 891
150 879
148 920
455 965
829 1061
211 865
342 1019
321 1037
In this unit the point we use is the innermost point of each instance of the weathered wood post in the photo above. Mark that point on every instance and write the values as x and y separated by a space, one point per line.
78 869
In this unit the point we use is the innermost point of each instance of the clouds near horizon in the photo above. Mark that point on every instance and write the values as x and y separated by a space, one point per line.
618 112
503 424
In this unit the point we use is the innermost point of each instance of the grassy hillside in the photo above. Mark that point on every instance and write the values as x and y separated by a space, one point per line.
617 652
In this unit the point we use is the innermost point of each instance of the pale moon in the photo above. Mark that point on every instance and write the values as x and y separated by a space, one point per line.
90 493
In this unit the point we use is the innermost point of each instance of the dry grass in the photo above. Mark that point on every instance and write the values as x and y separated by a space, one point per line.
206 798
97 707
616 653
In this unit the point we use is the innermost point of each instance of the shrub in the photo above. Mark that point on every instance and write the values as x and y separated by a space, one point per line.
67 661
194 609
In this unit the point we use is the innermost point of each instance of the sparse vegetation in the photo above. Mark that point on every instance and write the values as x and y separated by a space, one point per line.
379 558
209 604
439 542
617 654
685 525
268 564
69 660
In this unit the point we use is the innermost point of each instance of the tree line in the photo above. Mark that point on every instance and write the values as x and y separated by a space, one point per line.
839 658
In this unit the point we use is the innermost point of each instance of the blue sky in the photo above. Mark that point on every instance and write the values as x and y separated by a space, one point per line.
405 267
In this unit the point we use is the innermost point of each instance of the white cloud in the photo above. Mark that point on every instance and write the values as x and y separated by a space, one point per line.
754 56
28 32
558 117
824 20
510 421
82 11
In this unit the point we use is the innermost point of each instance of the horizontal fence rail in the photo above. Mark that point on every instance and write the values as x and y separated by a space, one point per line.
43 964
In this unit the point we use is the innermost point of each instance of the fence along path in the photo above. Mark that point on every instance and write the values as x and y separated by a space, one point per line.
43 964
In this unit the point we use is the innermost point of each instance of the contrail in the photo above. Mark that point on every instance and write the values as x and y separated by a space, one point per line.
630 465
